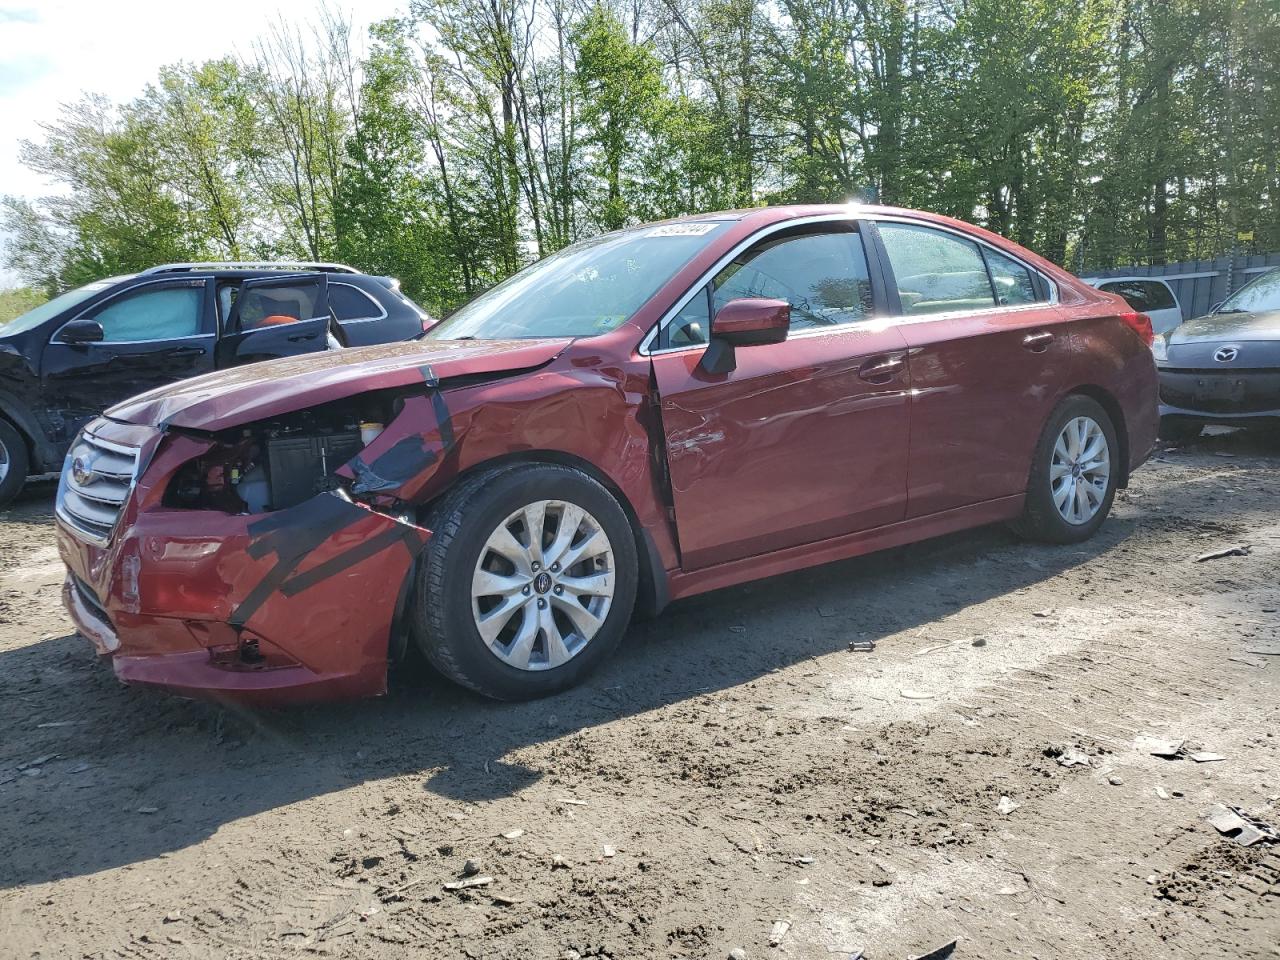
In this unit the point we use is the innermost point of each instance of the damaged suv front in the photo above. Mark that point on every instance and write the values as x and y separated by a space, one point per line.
251 537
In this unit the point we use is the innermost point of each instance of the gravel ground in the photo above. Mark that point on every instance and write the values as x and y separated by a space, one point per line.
735 766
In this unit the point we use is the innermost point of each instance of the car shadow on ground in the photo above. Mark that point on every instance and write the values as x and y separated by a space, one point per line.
126 774
129 774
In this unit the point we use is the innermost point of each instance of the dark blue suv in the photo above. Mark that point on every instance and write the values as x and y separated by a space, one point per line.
66 361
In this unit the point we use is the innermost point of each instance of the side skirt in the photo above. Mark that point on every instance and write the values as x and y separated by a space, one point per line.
844 547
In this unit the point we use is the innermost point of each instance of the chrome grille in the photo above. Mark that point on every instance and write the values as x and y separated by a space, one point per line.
96 480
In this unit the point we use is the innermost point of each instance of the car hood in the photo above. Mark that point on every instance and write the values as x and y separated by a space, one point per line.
256 391
1264 325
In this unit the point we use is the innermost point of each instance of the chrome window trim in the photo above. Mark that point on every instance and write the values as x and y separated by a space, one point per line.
646 344
176 282
1049 282
368 296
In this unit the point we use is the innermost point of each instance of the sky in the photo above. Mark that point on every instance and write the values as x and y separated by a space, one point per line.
52 51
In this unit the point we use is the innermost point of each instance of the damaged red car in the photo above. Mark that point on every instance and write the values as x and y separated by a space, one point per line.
643 416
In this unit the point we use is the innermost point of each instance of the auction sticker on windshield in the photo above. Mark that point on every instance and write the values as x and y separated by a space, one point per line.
682 230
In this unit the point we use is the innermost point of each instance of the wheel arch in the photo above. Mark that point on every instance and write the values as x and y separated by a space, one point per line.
652 589
40 452
1107 400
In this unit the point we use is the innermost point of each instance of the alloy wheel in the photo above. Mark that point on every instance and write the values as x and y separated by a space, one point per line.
4 462
1080 470
543 585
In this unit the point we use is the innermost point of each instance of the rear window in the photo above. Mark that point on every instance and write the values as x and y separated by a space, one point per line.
1142 295
350 303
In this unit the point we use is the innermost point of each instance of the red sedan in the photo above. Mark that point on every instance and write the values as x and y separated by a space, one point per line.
643 416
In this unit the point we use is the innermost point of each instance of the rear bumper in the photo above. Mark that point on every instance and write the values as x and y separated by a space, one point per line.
297 605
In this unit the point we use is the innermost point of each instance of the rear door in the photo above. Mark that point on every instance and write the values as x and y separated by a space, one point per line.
806 439
276 317
989 358
153 333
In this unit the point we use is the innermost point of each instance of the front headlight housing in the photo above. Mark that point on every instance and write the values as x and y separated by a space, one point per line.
1160 348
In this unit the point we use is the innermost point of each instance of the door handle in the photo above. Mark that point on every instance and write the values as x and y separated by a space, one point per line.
302 336
881 369
1037 342
186 352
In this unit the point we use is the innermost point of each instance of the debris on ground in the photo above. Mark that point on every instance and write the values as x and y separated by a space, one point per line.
862 646
1006 806
513 834
1071 757
468 883
1158 747
1115 781
471 868
1206 757
1241 550
938 953
780 928
737 953
1239 826
916 694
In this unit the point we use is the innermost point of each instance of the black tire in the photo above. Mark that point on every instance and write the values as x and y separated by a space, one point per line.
461 523
1040 519
13 451
1179 430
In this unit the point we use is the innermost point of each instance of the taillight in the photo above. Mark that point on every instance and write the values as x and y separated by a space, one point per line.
1140 324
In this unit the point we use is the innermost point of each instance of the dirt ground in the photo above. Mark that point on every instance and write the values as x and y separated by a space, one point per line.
736 765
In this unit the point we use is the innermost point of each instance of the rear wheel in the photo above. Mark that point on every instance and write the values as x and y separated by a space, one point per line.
1073 474
527 582
14 462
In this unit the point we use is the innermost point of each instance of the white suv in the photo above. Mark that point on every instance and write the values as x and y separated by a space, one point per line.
1148 295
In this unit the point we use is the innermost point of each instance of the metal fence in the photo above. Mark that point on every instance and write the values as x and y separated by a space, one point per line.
1199 284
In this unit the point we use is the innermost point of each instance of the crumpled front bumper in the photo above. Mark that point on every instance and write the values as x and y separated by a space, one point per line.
295 605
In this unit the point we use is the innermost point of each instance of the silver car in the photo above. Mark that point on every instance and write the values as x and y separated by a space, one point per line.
1223 367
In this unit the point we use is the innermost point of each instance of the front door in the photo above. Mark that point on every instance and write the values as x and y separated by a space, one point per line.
152 334
989 358
805 439
276 317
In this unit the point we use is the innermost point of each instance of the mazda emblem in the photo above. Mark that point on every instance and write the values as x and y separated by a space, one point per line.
1226 354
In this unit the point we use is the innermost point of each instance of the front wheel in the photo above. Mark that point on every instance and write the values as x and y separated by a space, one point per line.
14 462
527 582
1073 474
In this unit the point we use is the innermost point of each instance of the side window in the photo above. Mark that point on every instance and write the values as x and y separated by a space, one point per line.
936 272
1011 279
823 276
152 314
1142 295
351 303
273 306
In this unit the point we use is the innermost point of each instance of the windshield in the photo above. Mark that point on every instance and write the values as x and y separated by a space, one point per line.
38 315
1262 294
582 291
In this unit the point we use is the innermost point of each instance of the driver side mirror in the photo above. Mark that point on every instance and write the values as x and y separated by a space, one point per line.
745 322
81 331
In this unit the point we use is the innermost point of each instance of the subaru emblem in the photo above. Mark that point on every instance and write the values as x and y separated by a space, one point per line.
82 471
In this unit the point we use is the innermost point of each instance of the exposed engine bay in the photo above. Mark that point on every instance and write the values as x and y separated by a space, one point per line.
279 463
